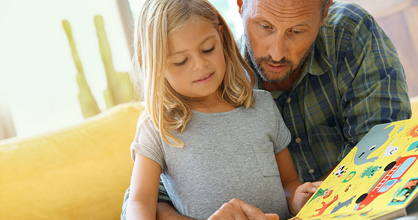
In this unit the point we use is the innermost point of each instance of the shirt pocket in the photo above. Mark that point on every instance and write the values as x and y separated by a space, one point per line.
266 159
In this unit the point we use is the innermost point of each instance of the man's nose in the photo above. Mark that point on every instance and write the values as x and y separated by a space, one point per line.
277 48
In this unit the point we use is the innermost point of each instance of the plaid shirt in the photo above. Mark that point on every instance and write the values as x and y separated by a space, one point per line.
352 80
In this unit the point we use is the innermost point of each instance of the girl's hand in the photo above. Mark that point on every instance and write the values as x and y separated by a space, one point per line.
303 193
272 216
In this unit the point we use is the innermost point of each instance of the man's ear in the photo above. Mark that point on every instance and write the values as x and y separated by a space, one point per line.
239 3
326 10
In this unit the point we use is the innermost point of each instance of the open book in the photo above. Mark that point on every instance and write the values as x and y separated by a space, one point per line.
376 180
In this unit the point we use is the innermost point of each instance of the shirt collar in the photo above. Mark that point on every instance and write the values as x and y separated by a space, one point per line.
318 62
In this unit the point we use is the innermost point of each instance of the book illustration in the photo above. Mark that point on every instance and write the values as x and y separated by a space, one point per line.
413 132
343 204
390 150
324 193
402 195
370 171
325 206
376 138
413 146
376 180
340 171
395 171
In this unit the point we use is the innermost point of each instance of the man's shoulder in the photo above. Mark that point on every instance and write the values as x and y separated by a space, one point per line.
347 15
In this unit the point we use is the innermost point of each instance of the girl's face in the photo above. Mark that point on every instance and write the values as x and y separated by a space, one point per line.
196 63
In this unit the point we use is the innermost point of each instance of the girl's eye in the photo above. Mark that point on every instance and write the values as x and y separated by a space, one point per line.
210 50
181 63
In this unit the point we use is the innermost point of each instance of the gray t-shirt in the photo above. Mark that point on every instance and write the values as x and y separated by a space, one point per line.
226 155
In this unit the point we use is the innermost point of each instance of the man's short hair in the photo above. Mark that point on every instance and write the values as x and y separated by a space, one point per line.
324 5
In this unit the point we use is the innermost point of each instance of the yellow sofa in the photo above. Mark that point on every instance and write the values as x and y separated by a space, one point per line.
414 107
79 172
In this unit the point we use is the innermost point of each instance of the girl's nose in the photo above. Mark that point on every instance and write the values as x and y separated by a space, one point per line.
200 62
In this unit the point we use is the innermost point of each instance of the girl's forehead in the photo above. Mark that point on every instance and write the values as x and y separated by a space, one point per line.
194 30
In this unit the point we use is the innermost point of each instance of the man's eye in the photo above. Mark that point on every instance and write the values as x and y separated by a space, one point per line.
210 50
296 31
266 26
181 63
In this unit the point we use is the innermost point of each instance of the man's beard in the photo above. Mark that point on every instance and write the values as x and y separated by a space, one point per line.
283 61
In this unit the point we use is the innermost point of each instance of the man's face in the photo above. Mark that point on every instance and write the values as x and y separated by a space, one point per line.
280 34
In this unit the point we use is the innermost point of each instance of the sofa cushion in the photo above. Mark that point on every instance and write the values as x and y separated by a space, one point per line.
79 172
414 107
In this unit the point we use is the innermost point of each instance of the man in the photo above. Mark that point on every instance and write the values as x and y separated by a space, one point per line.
333 73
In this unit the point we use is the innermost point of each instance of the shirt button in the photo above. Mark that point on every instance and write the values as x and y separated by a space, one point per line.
298 140
289 100
311 171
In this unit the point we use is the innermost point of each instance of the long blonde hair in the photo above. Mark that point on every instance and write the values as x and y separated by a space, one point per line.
167 109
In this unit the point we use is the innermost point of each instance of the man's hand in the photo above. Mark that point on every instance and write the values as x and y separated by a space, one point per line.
239 210
302 195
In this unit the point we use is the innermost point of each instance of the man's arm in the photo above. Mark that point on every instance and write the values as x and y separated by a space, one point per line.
372 83
232 210
297 194
166 211
326 175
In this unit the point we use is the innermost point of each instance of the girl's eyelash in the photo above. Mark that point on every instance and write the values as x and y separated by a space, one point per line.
204 51
210 50
181 63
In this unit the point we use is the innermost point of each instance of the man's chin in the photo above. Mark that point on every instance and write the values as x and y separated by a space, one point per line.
274 77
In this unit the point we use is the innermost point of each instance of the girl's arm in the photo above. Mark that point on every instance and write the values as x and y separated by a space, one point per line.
143 196
297 194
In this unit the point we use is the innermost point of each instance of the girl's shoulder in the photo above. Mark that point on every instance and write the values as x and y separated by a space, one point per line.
145 122
146 128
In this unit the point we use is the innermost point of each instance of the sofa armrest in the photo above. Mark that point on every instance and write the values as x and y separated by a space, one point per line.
79 172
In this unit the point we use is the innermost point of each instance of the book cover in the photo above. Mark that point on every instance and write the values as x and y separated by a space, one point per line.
376 180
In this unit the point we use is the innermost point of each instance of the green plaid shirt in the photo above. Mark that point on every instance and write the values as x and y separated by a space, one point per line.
352 81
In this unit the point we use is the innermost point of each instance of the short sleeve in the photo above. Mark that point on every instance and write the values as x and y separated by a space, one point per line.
148 141
282 134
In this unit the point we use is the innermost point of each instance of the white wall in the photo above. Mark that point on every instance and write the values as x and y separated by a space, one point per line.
37 71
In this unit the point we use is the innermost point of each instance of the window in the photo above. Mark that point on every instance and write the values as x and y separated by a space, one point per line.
37 78
398 19
228 9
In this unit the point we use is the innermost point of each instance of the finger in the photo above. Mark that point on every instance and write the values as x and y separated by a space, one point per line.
315 186
252 212
272 216
306 188
229 211
318 183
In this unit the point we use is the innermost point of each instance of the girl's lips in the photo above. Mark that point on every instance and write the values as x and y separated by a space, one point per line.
205 78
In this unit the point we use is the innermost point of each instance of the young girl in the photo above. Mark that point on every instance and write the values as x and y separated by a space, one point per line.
205 131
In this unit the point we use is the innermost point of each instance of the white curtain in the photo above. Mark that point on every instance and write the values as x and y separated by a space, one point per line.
398 18
38 74
7 129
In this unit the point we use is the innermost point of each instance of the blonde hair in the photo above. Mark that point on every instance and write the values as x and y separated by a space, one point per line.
167 109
